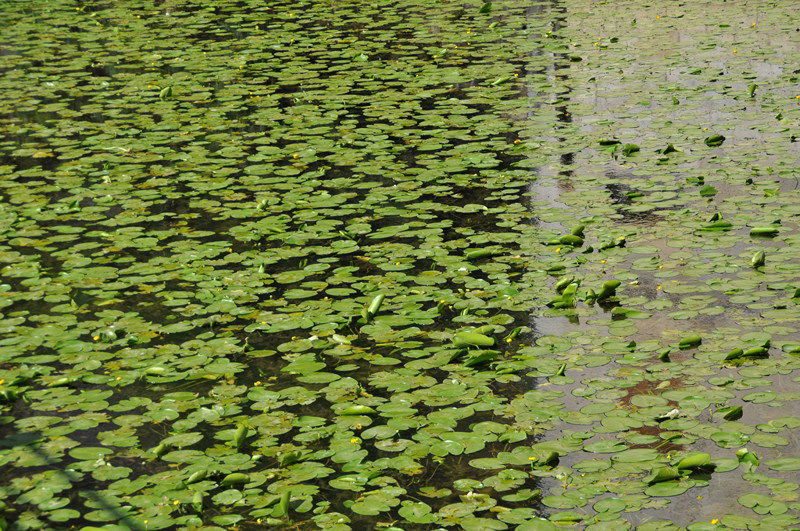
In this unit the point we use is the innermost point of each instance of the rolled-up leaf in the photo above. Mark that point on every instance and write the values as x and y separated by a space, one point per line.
689 342
662 474
695 460
237 478
472 339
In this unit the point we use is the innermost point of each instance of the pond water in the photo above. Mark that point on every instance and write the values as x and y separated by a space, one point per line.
399 265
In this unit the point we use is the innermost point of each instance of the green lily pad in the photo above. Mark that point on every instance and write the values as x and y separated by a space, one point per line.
668 488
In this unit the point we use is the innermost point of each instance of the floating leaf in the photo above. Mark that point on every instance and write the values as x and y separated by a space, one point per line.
282 509
708 191
668 488
730 413
609 289
375 305
784 463
764 232
479 254
629 149
662 474
480 358
758 259
499 81
470 339
689 342
236 478
694 460
714 140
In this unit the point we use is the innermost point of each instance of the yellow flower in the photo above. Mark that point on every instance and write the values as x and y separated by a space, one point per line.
355 440
715 521
532 458
257 383
659 287
296 156
734 50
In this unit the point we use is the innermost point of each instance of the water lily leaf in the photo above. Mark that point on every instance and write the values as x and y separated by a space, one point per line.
89 453
629 149
708 191
727 439
357 410
694 460
784 463
730 413
228 497
63 515
564 502
468 339
610 505
764 232
480 357
668 488
416 512
253 257
635 455
689 342
661 474
605 447
760 397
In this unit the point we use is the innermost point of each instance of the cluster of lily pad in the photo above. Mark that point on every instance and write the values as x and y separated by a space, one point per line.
302 265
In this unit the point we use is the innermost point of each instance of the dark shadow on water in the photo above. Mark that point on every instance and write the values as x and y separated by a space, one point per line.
28 440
